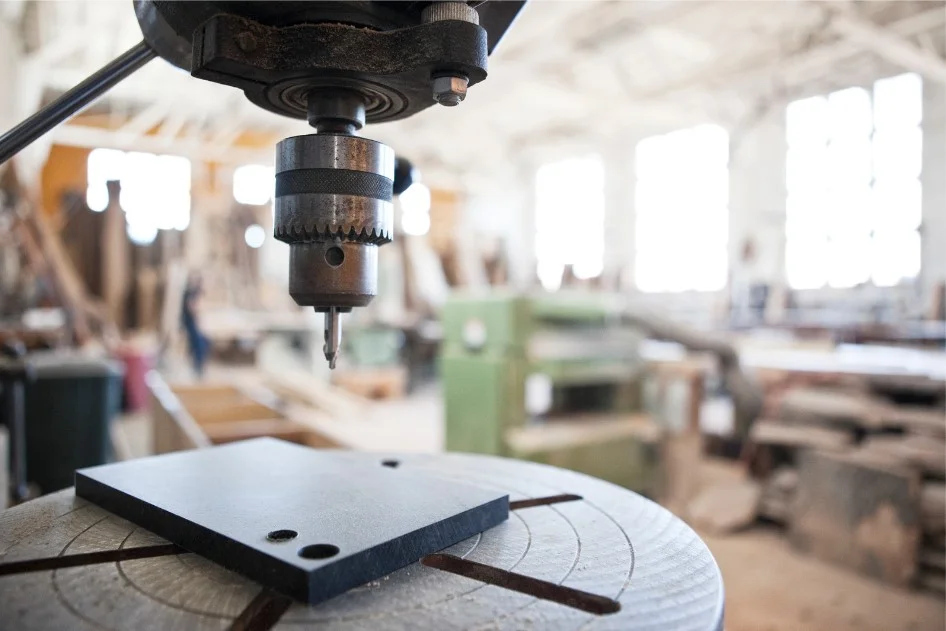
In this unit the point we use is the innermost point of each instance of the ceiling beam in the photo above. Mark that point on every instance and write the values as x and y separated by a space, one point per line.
173 125
195 149
816 58
146 119
888 45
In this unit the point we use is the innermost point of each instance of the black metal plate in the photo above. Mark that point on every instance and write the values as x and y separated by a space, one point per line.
222 503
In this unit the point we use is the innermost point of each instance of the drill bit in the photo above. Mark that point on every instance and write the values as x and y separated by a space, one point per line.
333 335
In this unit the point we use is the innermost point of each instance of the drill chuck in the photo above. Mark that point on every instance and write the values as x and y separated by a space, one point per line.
334 208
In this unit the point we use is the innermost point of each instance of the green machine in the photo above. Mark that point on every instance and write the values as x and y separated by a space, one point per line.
552 378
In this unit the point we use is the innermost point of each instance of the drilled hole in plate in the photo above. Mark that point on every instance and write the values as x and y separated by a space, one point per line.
334 256
319 551
278 536
394 464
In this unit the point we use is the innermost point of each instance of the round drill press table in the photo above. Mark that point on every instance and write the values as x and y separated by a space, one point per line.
612 543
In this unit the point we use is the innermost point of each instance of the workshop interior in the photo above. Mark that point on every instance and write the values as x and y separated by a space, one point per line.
497 314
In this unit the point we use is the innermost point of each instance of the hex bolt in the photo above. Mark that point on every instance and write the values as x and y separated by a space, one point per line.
450 90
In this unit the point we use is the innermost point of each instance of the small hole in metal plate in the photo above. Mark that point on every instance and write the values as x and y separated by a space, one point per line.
391 463
319 551
278 536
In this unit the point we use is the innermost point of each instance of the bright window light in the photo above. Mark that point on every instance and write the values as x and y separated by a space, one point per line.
415 210
142 233
569 217
96 197
682 180
155 190
104 165
254 236
853 177
253 184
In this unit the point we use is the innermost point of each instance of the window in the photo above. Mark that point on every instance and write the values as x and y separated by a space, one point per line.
254 235
682 210
415 209
155 190
853 178
569 218
254 184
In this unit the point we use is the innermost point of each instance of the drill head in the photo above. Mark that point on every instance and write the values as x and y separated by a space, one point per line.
334 209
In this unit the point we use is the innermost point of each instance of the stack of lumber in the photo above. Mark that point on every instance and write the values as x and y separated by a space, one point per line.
932 561
859 510
778 495
856 477
194 416
377 383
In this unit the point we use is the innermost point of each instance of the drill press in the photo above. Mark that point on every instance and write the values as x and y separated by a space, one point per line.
338 65
578 554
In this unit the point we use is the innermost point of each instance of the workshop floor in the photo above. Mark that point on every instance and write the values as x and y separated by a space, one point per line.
768 586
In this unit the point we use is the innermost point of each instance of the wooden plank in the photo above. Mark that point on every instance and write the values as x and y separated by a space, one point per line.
115 257
774 432
374 383
281 428
582 429
932 580
309 391
844 406
785 480
830 406
776 509
201 392
859 510
38 235
681 455
933 508
725 508
933 558
175 282
206 415
928 454
925 421
172 427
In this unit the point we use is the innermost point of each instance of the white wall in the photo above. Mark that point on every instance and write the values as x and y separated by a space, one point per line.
934 185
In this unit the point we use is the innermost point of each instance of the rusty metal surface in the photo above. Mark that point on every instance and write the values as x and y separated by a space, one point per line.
611 542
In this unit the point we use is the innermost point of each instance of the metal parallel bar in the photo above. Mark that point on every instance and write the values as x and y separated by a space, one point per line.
263 612
74 100
89 558
537 588
543 501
